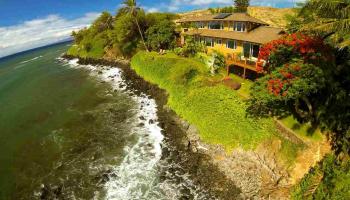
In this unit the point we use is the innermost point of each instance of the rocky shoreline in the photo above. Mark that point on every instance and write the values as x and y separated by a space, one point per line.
240 174
179 135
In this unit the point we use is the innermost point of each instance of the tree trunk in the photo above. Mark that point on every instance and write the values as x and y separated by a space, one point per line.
304 114
143 40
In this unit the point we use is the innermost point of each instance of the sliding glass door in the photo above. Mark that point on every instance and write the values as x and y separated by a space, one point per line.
250 50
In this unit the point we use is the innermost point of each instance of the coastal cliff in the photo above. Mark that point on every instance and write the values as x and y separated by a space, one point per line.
238 174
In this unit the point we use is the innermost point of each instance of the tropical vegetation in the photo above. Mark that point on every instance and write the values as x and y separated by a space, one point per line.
239 7
305 76
216 110
126 33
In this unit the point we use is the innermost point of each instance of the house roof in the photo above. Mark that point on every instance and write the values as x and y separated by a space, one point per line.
260 35
244 17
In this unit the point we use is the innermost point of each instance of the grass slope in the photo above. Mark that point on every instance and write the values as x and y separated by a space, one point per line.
217 111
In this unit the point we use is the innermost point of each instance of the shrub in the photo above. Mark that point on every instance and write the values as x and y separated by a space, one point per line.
330 179
178 51
183 74
161 35
219 61
193 47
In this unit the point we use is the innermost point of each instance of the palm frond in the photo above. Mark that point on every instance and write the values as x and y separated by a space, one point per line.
329 25
345 43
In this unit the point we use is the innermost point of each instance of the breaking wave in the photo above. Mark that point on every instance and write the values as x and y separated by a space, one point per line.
143 174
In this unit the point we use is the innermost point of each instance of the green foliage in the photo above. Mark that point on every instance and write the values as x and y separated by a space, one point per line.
125 34
330 179
122 35
241 5
155 18
275 89
161 35
219 61
217 111
289 152
131 8
227 9
304 131
79 36
325 18
330 19
103 23
178 51
293 75
192 47
308 80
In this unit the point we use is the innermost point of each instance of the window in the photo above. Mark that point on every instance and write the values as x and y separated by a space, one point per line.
239 26
231 44
216 25
251 50
218 41
209 42
255 50
200 25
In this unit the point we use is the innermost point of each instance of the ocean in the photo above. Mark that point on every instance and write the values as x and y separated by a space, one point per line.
69 131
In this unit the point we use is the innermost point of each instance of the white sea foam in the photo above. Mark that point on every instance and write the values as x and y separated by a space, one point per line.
26 61
137 177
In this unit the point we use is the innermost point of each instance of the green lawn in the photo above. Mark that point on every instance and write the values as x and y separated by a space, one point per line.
244 91
216 110
304 131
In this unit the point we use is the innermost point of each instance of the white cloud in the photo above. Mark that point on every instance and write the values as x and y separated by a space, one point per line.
151 9
40 32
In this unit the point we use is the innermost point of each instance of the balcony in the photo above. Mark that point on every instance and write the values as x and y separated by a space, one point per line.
245 63
248 63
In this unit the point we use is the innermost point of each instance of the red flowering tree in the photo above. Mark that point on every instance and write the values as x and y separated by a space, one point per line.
293 68
294 46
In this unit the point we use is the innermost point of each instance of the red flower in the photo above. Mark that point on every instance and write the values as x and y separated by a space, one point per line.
299 43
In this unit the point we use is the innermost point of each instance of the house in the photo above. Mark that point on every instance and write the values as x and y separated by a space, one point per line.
238 36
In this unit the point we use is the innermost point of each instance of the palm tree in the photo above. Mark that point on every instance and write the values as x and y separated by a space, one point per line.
331 19
130 7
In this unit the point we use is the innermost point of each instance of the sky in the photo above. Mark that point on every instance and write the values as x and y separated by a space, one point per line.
27 24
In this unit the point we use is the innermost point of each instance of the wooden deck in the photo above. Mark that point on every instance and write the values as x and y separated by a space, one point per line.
245 64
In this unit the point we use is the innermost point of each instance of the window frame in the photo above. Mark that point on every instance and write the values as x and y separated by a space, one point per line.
200 25
207 42
242 26
217 23
234 44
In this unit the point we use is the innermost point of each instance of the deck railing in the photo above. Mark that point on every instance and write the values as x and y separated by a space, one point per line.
245 63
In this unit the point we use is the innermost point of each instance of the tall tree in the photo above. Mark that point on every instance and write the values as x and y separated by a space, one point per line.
103 22
130 7
161 35
241 5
